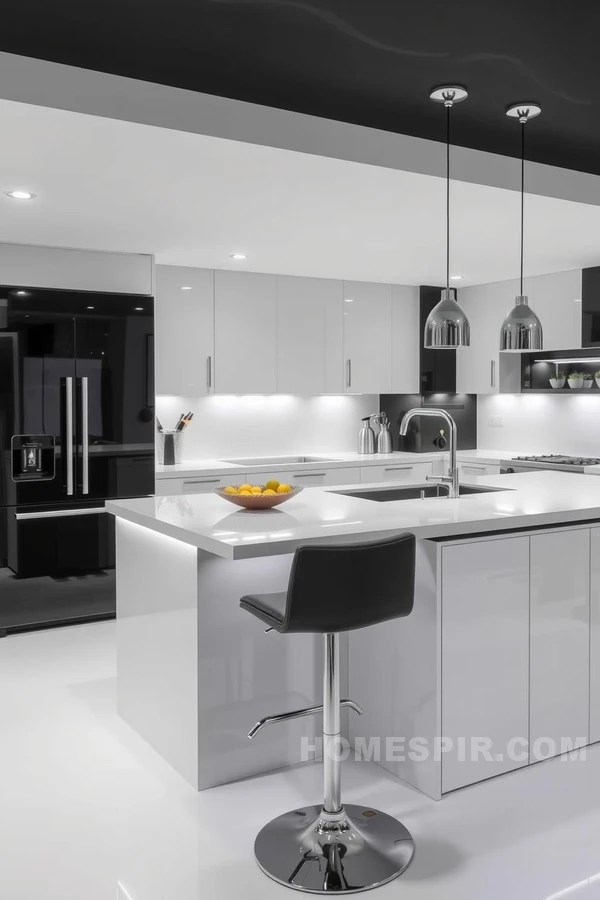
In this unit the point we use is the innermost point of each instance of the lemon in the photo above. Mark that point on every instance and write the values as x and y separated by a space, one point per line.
272 485
283 489
256 491
244 488
230 490
269 492
245 493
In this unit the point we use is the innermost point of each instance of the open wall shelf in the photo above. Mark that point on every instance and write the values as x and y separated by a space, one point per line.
537 369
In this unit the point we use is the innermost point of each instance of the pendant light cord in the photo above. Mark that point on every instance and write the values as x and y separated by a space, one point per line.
448 108
522 198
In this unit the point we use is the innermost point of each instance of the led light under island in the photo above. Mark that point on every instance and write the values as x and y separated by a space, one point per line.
466 687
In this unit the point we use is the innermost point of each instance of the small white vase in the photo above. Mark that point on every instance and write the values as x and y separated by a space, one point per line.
575 383
588 383
557 383
597 380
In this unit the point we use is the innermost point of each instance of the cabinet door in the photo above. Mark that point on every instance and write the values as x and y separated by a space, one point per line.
556 299
478 366
309 336
595 637
367 337
406 339
485 656
245 333
184 342
560 637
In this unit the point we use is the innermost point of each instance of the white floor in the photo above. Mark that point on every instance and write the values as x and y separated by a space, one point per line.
87 810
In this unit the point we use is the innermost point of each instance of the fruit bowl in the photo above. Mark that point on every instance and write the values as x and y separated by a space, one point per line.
258 501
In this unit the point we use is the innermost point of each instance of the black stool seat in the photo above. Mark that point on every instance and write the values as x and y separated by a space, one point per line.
341 587
269 608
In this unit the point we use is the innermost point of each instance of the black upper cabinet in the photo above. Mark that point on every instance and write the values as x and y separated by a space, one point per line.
437 367
590 313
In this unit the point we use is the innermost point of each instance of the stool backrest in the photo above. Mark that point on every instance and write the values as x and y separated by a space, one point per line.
341 587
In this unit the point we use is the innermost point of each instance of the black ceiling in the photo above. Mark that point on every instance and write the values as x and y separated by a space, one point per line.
370 62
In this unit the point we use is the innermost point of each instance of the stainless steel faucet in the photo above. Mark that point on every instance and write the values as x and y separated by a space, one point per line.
451 479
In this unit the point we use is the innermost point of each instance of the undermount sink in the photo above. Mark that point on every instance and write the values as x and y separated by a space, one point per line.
413 492
277 460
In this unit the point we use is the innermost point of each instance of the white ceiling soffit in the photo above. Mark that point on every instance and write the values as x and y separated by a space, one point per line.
50 84
194 200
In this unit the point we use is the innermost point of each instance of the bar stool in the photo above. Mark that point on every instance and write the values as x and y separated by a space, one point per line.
332 589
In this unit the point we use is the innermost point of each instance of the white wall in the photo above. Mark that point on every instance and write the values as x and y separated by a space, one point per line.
252 425
541 423
76 270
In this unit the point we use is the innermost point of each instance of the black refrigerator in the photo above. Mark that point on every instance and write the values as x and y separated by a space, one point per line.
76 428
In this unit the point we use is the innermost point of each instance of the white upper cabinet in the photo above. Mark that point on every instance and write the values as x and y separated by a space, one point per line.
556 299
479 369
184 330
406 339
245 333
367 337
309 336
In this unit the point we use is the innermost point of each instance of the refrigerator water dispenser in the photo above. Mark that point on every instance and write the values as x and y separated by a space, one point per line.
33 457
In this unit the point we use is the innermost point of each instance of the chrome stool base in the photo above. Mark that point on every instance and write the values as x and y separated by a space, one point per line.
319 853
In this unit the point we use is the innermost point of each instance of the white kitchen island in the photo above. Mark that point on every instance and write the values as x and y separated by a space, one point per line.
503 643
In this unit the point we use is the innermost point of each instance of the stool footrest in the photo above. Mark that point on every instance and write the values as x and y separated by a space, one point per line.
298 714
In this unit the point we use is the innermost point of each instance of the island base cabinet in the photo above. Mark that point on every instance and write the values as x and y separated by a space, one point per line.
485 659
595 636
560 642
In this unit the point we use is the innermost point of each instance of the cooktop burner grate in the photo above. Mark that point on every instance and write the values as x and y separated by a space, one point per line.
558 460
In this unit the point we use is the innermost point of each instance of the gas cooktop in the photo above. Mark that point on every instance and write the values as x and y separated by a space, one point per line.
555 459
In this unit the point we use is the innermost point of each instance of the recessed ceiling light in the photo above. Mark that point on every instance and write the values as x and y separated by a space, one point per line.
576 299
456 278
186 287
20 195
348 299
91 307
21 293
238 256
139 309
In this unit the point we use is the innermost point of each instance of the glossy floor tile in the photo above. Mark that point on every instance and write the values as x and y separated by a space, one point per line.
88 811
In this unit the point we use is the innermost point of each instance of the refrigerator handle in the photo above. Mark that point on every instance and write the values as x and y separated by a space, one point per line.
69 435
85 436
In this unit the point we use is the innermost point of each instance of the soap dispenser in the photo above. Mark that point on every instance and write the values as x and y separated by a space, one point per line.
366 437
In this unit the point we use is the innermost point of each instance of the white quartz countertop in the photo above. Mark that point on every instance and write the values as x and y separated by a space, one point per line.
209 522
335 460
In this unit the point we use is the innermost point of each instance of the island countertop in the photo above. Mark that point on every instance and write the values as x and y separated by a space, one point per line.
206 521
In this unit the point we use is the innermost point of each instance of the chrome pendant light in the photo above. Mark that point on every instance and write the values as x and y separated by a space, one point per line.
447 326
522 330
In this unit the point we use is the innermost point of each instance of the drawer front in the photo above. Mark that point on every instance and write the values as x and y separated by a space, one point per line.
199 484
315 478
396 473
470 470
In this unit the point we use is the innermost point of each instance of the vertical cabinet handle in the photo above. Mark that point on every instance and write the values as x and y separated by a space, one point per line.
85 436
69 447
209 372
493 373
349 373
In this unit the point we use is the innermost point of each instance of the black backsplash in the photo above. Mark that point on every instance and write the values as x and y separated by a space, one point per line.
424 431
437 367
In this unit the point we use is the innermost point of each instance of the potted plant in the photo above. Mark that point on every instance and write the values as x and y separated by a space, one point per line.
588 380
575 380
597 377
559 380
